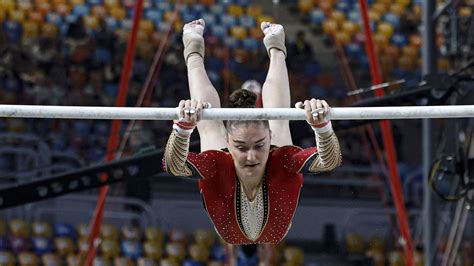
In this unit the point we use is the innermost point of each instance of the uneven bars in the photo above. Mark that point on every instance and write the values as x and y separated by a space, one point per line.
141 113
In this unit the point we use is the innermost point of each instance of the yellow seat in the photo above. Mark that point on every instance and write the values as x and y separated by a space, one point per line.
168 16
152 250
147 26
40 229
59 2
381 41
91 22
123 261
338 16
397 9
238 32
7 5
49 30
374 15
109 231
305 6
410 51
415 40
25 5
36 17
354 243
117 12
204 237
3 15
350 27
199 252
235 10
51 260
27 259
406 63
325 6
386 29
175 251
83 244
44 8
377 257
154 235
215 263
145 262
63 9
64 246
254 11
76 2
109 248
7 258
330 26
379 7
99 11
169 262
444 64
403 2
73 260
263 18
342 38
294 255
418 258
111 3
377 242
19 228
83 230
30 31
17 15
396 258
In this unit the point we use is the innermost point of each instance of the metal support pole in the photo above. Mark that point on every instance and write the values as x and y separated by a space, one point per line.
429 67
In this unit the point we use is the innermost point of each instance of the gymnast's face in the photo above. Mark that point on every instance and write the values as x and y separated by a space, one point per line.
249 145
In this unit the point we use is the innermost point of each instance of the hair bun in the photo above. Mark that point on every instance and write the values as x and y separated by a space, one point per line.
243 99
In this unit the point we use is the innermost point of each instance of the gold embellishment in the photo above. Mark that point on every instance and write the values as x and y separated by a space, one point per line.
329 153
176 153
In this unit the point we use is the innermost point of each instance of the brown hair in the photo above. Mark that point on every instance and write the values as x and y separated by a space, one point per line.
243 99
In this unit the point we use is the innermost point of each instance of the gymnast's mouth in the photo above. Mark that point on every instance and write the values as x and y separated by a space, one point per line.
251 165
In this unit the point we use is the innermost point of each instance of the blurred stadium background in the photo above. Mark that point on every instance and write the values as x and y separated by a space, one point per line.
71 52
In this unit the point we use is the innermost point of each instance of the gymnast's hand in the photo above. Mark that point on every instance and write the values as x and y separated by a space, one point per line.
190 111
316 111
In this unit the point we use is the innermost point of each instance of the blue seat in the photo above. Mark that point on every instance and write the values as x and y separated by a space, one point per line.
199 8
210 18
354 16
154 15
191 262
316 16
4 243
81 10
219 30
112 23
164 6
13 30
228 20
250 44
64 230
94 2
54 18
218 253
247 21
399 39
218 9
42 245
131 249
231 42
392 19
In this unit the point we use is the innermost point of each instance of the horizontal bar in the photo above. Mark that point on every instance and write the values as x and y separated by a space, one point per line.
142 113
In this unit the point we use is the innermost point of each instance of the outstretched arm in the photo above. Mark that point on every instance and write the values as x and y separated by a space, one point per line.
328 154
177 147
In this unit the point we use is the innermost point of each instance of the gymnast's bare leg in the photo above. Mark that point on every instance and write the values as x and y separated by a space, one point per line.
212 133
276 88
